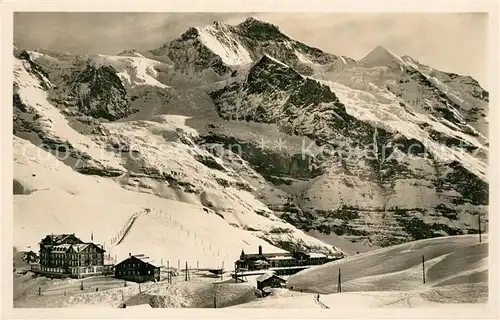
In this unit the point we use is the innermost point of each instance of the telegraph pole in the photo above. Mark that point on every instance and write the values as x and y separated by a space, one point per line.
339 288
479 226
423 268
215 296
186 272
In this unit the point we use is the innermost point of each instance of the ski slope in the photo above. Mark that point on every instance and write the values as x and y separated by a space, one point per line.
453 260
430 298
456 271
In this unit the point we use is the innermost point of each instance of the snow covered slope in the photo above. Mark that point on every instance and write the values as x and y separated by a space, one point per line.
219 41
448 261
273 137
134 71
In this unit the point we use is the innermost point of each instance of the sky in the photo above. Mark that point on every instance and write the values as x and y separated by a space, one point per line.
453 42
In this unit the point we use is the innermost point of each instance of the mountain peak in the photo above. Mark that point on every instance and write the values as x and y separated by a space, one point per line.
381 56
251 20
260 30
218 24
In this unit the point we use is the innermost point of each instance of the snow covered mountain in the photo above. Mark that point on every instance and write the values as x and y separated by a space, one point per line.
224 48
272 137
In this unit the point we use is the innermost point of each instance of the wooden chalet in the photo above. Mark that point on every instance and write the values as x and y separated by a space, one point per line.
270 280
137 268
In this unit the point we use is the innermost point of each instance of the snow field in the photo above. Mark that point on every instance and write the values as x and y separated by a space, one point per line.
223 44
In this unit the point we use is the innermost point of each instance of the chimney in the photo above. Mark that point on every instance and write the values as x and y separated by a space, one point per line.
129 255
260 249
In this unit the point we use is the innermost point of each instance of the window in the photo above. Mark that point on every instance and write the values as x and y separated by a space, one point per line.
149 271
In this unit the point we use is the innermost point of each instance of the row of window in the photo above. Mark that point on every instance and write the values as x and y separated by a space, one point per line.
76 270
131 273
55 270
72 263
71 256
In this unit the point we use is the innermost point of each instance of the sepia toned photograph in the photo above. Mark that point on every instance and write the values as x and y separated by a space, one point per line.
250 160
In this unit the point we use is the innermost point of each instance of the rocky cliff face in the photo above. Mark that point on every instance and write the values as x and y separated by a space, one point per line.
271 134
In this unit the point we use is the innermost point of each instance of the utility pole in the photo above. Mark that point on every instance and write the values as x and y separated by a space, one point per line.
186 279
423 268
215 296
479 226
339 285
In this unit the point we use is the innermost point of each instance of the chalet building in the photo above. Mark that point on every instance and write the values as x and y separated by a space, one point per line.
283 263
66 255
270 280
137 268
